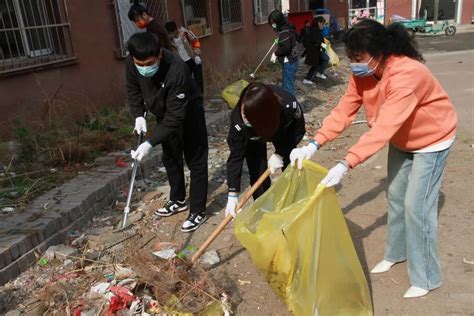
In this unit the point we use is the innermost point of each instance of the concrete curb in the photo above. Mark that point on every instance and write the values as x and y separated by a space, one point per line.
47 220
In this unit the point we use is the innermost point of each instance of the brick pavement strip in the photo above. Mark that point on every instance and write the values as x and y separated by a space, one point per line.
47 220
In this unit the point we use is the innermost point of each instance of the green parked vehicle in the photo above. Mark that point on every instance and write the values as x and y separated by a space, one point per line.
421 26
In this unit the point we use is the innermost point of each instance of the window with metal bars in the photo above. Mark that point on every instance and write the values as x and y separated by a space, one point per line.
126 28
197 16
231 15
263 8
33 33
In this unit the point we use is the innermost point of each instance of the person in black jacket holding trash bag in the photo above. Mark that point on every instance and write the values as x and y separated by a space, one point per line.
159 82
264 113
285 53
313 44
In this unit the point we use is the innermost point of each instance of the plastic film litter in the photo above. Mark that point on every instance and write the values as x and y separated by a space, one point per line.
231 93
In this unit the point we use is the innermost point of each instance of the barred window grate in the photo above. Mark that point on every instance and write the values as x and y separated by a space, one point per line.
126 28
263 8
33 33
197 16
231 15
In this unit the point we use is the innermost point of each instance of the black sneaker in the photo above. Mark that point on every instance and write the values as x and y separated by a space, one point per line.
193 222
171 207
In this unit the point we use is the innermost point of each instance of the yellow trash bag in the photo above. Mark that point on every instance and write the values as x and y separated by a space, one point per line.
333 58
297 235
231 93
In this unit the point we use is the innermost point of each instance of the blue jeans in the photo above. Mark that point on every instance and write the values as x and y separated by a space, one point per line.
289 77
414 181
324 61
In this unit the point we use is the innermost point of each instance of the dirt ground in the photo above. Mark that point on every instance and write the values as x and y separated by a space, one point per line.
362 198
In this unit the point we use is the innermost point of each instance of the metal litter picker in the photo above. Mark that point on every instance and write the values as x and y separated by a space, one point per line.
252 75
130 188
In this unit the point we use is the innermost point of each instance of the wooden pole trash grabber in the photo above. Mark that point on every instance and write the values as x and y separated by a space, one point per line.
228 219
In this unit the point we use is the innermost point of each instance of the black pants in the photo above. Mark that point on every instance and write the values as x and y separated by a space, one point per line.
196 71
310 74
256 157
193 143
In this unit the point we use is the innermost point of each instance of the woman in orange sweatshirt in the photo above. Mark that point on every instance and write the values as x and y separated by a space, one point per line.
407 108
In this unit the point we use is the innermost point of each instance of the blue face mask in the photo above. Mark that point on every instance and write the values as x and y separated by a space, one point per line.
363 69
148 71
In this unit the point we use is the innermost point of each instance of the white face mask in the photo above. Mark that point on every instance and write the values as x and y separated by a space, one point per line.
274 26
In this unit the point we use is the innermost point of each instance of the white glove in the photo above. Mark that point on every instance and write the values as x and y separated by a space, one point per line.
197 60
140 125
273 59
141 151
275 162
300 154
325 46
231 207
335 175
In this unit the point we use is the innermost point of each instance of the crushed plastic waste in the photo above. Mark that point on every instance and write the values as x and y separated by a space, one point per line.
165 253
43 262
187 251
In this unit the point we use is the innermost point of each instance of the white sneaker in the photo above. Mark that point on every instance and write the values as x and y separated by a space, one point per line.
414 292
382 266
321 76
308 82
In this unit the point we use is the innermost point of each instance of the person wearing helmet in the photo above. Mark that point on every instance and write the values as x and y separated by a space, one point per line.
264 113
285 53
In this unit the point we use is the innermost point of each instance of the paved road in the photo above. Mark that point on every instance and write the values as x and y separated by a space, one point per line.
443 43
455 71
431 43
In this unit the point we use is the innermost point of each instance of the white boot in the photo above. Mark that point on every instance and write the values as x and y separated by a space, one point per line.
414 292
382 266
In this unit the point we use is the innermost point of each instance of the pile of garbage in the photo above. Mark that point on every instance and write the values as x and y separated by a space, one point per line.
106 271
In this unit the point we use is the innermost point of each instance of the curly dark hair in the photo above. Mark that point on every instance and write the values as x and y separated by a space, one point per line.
372 37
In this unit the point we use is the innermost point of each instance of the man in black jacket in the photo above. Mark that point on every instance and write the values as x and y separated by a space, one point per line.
264 113
158 81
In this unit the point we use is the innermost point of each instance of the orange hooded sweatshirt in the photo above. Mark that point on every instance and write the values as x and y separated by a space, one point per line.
407 107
